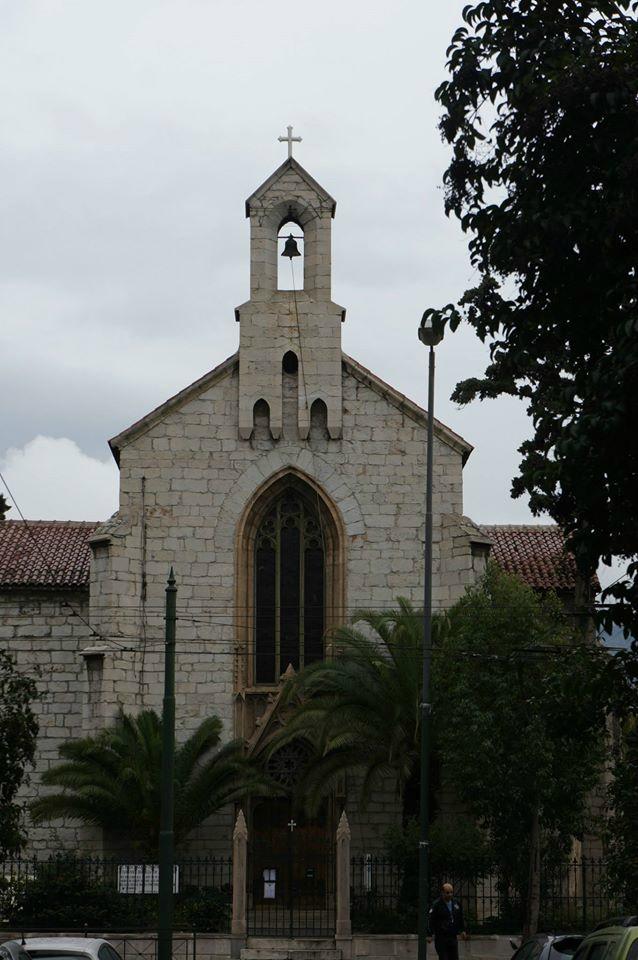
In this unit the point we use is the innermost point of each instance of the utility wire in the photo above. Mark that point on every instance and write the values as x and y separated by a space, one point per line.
303 372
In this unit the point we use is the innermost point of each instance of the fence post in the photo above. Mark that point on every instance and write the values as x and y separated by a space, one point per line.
240 849
583 884
344 923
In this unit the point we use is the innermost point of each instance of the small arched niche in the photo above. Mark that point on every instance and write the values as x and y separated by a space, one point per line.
290 272
261 421
290 395
318 422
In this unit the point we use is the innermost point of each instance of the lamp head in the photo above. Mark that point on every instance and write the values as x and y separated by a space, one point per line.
429 333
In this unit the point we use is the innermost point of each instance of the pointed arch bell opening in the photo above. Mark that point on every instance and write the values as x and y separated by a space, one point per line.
290 579
290 271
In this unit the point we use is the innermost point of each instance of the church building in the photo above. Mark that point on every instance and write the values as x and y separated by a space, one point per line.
286 489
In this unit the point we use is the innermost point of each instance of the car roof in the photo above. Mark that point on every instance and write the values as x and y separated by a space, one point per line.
84 944
551 937
614 930
619 922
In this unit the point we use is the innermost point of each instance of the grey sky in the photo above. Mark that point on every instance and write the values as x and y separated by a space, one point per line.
130 136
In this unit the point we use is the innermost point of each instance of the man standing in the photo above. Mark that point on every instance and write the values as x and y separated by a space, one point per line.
446 924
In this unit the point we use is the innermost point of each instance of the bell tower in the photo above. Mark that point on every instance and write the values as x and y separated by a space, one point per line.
297 328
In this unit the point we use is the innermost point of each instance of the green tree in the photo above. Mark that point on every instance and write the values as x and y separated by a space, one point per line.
360 710
18 734
622 825
541 110
520 721
113 779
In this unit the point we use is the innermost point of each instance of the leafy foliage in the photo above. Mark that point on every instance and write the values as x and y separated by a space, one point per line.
622 826
18 734
520 716
457 845
542 114
114 779
458 848
360 710
70 892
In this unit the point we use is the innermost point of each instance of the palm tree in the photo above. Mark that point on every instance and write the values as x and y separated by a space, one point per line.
360 710
112 780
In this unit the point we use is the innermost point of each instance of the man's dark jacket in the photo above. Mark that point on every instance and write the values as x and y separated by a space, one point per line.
442 922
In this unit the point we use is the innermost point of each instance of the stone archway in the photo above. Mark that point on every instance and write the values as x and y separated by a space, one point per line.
291 857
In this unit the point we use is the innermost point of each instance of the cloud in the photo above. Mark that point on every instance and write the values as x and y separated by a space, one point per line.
52 479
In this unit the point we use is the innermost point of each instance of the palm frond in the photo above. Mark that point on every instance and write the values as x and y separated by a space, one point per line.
205 738
361 709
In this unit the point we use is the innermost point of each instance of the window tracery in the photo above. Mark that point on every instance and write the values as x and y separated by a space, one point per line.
289 588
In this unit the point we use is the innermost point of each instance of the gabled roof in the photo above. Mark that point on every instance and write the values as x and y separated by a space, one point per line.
290 164
194 389
357 370
407 406
45 554
535 553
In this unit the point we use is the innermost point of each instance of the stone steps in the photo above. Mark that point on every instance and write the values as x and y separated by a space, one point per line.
270 953
285 943
276 948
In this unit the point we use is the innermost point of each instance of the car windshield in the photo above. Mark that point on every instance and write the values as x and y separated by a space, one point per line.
45 952
566 945
581 951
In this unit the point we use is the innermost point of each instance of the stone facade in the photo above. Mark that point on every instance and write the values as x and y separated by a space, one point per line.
193 473
306 323
48 635
186 483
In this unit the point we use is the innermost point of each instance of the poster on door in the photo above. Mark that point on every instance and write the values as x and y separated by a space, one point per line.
270 884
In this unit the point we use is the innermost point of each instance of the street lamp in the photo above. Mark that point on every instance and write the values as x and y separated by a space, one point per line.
430 336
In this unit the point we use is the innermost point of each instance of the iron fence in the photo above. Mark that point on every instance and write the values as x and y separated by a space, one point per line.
67 892
291 888
574 896
70 892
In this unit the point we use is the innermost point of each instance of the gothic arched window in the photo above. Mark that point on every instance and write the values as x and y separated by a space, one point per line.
289 583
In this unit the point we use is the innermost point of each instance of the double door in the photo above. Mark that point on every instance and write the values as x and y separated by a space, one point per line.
291 873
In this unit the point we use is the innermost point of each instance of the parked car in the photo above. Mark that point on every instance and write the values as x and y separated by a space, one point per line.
12 950
614 939
547 946
69 948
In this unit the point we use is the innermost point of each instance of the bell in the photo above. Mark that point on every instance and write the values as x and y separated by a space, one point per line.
291 250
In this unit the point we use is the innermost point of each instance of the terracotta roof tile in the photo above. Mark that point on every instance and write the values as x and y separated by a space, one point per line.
48 554
55 554
535 553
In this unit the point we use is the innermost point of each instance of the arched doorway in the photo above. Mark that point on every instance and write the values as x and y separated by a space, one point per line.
291 862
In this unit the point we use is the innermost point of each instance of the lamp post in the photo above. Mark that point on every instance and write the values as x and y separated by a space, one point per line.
430 337
167 837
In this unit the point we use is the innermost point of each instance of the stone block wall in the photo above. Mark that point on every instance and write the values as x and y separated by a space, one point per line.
274 321
47 641
187 480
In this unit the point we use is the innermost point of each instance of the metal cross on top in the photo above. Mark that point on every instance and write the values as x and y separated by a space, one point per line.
289 140
292 823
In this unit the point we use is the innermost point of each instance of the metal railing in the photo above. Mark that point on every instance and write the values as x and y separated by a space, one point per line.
66 892
574 896
69 892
